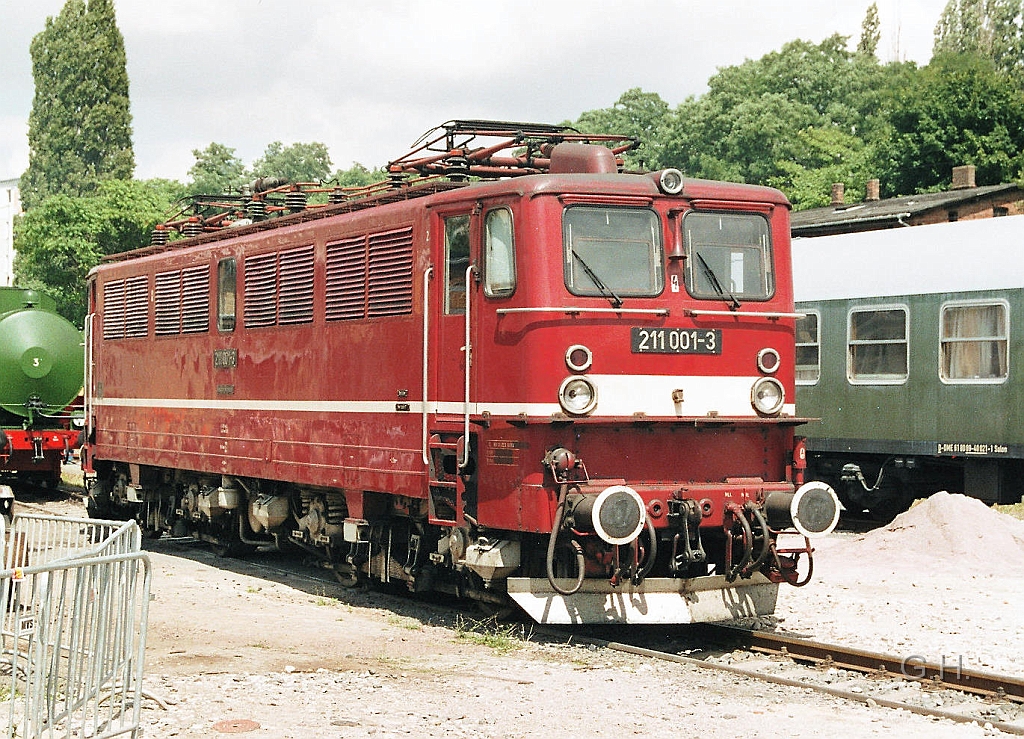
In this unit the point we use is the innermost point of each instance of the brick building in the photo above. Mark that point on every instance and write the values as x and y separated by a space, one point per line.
962 202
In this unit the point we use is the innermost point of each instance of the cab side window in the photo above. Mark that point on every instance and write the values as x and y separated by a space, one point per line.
456 261
226 281
499 254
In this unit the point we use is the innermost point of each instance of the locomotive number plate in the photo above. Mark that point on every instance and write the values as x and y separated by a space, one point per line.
675 341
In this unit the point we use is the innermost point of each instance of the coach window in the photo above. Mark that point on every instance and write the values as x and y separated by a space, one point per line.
729 256
877 346
974 340
612 252
499 254
226 285
808 349
456 260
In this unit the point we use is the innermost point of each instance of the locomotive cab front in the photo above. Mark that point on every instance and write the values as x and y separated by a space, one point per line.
615 364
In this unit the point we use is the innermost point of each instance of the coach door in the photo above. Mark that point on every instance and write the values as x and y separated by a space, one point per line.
448 441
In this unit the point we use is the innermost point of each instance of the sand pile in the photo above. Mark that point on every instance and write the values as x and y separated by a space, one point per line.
943 532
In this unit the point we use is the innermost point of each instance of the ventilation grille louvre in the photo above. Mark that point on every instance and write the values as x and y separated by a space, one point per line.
113 310
261 291
370 277
346 279
195 300
296 286
168 303
389 288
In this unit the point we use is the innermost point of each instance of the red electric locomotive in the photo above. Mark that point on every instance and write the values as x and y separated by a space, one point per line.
520 374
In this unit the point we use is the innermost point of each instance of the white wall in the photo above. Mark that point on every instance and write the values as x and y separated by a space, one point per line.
10 206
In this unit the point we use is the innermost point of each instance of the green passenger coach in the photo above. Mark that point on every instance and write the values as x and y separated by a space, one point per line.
911 354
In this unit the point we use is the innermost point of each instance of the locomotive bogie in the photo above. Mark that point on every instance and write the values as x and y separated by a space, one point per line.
577 383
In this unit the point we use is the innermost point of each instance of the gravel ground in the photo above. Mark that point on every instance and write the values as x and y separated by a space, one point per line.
233 649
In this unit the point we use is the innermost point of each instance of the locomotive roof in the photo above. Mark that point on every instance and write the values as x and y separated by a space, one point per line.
535 157
983 254
439 192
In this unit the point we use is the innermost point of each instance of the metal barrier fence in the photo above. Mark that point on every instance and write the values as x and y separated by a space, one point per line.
74 602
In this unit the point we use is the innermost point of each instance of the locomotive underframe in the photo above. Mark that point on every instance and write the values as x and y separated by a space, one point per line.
708 558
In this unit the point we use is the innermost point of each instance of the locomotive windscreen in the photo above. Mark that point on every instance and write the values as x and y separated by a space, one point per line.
728 256
612 249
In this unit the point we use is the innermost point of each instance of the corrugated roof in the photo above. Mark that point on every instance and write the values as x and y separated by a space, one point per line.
885 213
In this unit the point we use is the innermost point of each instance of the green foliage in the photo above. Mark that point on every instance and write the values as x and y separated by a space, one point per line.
960 110
357 176
61 239
502 638
636 113
296 163
217 170
80 124
870 34
993 29
820 157
746 127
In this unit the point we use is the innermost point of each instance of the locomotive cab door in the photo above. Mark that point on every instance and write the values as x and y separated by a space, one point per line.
448 442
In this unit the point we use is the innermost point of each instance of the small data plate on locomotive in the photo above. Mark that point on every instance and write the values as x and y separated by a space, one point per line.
675 340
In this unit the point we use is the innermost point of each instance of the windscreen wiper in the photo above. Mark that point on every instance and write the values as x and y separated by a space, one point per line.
713 278
614 299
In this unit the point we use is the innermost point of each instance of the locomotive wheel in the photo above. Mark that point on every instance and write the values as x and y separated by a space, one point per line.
498 612
97 504
229 544
347 575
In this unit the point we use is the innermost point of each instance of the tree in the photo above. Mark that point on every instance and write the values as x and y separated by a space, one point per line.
62 238
745 126
636 113
80 125
217 170
993 29
959 110
870 34
296 163
821 157
356 176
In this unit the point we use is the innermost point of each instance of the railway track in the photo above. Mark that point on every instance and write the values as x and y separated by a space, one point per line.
971 694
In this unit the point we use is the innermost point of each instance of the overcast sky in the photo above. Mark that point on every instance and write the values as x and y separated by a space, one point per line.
367 78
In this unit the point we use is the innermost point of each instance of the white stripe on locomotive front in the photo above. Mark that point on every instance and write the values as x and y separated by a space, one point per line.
617 395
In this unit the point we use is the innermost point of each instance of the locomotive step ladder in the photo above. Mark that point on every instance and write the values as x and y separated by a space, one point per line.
447 487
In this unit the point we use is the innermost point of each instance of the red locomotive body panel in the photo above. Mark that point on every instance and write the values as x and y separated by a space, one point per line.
453 368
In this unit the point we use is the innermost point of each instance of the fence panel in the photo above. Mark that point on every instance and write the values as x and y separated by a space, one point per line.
74 602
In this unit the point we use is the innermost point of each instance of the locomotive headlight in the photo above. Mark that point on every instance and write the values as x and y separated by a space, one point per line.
578 358
577 396
767 396
768 360
671 181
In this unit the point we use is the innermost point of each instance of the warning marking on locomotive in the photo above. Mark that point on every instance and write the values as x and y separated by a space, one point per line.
505 451
675 341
